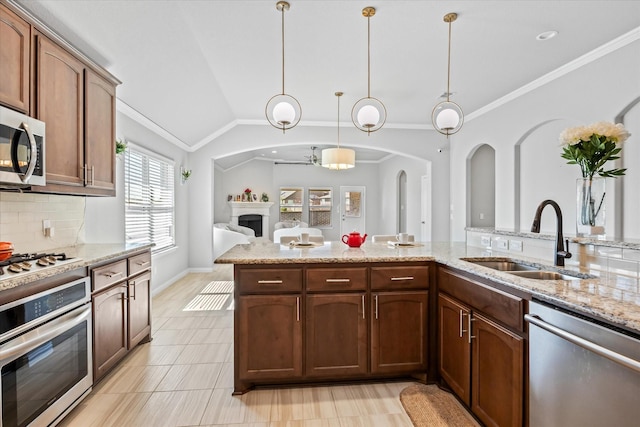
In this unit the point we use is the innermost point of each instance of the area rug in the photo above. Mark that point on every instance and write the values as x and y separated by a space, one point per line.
429 406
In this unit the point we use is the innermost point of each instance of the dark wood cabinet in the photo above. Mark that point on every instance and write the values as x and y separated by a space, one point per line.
336 335
121 310
100 129
497 374
399 332
139 315
15 52
454 346
110 338
60 104
480 358
269 336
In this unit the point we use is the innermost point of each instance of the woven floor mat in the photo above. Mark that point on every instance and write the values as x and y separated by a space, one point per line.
429 406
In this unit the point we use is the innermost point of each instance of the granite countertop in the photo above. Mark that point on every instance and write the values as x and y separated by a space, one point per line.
82 255
609 297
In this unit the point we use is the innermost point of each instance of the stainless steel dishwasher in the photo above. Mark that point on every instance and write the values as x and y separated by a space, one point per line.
581 373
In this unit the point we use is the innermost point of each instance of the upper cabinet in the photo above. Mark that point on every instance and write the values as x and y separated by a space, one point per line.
15 51
47 78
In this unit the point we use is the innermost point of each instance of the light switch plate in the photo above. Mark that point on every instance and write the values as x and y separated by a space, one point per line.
485 241
515 245
500 244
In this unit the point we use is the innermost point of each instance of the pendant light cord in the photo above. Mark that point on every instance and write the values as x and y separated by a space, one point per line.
448 64
368 56
283 49
338 120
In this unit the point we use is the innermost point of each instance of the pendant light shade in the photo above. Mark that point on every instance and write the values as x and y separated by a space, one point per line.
447 116
338 158
368 114
283 111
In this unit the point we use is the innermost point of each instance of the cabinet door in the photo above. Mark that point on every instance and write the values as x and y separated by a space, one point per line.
497 391
60 98
336 335
454 348
100 116
109 329
399 332
269 337
15 51
139 308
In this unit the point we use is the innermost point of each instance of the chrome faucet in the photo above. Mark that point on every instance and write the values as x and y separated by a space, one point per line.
561 253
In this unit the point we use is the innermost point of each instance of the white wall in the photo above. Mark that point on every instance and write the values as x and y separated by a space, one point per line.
595 92
104 218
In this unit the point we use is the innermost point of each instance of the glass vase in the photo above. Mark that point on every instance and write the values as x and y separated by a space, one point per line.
590 208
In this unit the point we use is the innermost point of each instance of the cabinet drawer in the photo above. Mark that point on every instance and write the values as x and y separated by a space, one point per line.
400 277
109 274
269 280
495 303
336 279
139 263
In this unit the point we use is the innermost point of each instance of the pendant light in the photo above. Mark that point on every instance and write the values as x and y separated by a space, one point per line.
338 158
368 114
447 116
283 111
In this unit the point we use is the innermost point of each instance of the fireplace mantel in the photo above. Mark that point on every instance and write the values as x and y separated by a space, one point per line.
252 208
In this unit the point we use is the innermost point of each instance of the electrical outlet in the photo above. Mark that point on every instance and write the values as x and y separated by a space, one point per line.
500 244
515 245
46 227
485 241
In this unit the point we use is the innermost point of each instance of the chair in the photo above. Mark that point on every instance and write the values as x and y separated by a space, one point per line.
295 231
384 238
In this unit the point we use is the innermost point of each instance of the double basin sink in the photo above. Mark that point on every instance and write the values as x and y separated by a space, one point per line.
528 271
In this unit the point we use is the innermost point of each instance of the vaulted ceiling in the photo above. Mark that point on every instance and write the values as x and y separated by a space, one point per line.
197 68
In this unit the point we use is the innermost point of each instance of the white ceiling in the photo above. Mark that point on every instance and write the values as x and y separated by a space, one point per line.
195 68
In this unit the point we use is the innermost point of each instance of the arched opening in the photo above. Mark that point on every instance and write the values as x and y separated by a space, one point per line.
481 187
401 214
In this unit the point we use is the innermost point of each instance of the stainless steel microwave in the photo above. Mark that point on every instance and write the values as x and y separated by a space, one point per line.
22 161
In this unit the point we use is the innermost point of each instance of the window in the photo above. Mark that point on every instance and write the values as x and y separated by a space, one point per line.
149 200
320 205
291 199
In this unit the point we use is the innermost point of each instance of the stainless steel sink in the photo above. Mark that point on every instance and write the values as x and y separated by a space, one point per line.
544 275
506 265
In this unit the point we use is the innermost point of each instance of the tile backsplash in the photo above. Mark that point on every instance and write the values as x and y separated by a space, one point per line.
22 216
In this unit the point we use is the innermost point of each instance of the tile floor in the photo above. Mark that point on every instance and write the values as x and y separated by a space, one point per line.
184 377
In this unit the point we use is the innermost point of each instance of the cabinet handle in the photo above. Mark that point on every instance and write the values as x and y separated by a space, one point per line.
143 263
393 279
85 174
132 294
462 329
337 280
363 307
297 309
93 175
470 319
269 282
376 298
33 151
112 274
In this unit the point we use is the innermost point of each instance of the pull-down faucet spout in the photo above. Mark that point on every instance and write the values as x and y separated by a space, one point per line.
560 253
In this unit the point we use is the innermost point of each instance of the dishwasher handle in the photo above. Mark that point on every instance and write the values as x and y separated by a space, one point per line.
586 344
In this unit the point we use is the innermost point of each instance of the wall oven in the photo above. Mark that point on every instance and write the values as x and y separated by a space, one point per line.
22 150
45 354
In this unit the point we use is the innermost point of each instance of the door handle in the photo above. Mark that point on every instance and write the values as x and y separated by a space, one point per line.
363 307
462 329
33 151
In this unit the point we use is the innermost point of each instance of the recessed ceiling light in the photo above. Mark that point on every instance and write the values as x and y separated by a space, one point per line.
546 35
274 151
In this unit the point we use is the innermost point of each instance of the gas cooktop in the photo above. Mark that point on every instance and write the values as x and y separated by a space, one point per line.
26 263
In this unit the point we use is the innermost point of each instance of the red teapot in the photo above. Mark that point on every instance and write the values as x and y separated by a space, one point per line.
354 240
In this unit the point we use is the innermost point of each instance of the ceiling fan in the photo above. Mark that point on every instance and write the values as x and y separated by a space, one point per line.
312 160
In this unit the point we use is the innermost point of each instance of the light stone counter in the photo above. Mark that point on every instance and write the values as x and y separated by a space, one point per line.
83 255
609 297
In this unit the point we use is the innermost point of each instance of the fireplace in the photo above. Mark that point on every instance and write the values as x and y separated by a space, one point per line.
251 209
252 221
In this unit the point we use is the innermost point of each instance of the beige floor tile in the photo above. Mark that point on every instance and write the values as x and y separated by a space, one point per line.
212 336
106 410
225 379
130 379
172 337
156 323
204 353
174 408
382 420
148 354
190 377
223 408
185 322
303 403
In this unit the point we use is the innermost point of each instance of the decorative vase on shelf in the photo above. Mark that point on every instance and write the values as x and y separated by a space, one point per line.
590 208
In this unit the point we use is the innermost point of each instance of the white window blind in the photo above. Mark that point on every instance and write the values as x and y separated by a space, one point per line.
149 200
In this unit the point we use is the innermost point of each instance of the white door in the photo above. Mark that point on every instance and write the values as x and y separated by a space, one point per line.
352 214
